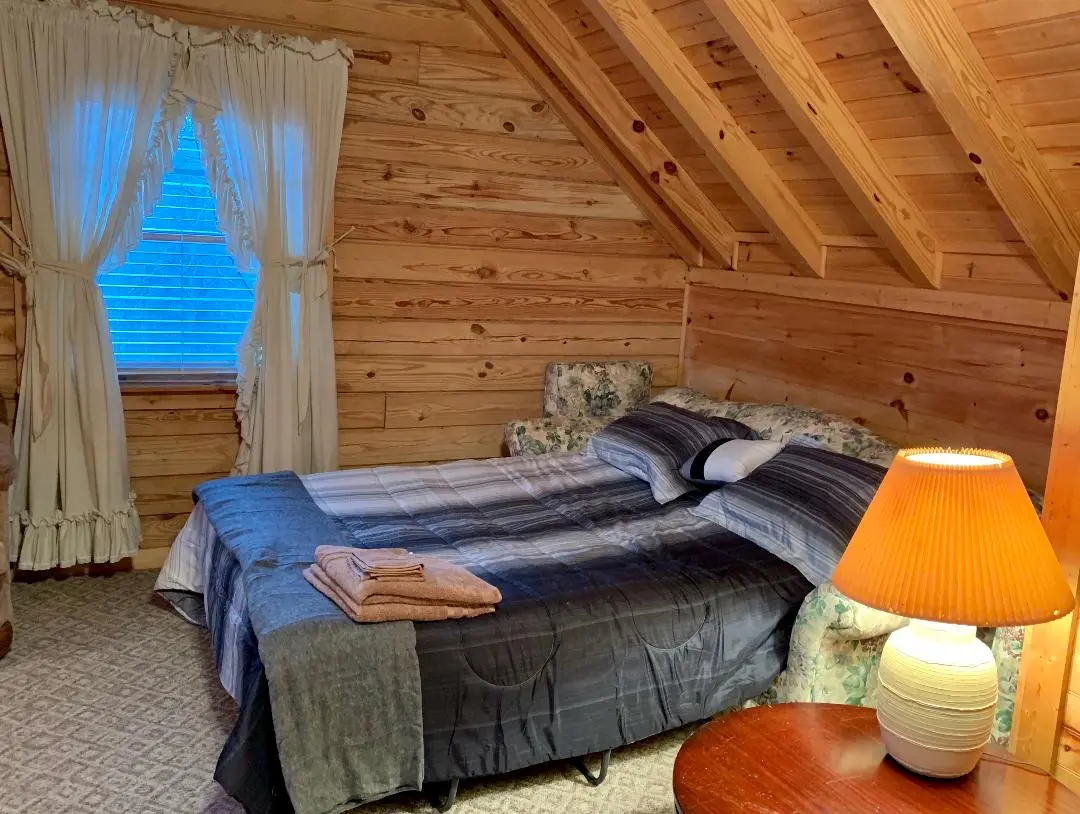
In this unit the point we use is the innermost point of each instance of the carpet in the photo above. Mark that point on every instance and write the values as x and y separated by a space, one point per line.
109 703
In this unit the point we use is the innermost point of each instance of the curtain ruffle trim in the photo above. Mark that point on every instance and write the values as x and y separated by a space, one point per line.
188 35
62 541
230 210
156 165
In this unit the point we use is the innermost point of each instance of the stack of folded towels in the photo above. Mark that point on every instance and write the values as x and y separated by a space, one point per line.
389 584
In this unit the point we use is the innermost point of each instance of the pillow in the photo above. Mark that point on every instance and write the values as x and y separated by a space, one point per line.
778 422
803 506
727 460
652 442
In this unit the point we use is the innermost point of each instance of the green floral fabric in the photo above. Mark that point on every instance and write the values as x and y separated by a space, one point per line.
779 422
595 389
539 436
836 648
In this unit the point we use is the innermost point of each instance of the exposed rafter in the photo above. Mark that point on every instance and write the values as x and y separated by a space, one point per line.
674 78
941 53
763 35
573 66
642 192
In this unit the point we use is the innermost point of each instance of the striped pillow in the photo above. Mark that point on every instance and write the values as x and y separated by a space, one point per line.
652 442
803 506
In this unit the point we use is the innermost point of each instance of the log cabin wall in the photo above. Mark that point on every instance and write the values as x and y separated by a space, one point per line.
487 243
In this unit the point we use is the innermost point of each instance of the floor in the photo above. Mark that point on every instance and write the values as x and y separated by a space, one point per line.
108 703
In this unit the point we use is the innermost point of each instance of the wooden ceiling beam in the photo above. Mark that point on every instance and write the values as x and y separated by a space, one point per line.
941 53
673 77
572 65
766 39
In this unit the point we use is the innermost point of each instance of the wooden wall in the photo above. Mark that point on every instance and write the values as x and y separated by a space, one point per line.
487 242
915 378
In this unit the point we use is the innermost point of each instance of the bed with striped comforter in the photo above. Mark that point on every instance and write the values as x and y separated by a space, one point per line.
621 617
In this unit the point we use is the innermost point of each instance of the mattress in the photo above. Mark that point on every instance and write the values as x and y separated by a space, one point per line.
621 618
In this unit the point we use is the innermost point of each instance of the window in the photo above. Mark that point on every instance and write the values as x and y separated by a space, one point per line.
179 304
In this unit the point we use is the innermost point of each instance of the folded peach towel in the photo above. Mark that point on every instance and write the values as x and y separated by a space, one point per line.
445 590
389 608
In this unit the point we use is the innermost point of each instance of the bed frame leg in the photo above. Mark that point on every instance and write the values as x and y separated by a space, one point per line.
444 804
594 779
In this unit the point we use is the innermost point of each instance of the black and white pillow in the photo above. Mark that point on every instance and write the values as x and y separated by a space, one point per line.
803 506
727 460
652 442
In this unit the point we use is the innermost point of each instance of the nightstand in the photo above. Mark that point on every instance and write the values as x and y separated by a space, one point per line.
818 758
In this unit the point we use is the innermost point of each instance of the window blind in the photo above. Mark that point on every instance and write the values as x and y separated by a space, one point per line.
178 303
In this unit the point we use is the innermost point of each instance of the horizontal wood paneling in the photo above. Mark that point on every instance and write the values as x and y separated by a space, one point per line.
911 377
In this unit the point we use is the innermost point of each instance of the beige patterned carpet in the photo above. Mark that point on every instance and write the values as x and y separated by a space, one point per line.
109 703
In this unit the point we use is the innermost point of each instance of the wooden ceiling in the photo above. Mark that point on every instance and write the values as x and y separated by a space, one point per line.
926 143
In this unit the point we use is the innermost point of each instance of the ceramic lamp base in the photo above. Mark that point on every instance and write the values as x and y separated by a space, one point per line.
936 700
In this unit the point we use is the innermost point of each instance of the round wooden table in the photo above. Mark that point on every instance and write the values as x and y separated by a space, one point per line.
817 758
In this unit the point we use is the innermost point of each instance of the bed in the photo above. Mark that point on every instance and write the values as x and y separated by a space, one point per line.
621 618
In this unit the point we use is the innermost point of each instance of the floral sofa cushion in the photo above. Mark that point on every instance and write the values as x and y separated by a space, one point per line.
595 389
836 649
779 422
539 436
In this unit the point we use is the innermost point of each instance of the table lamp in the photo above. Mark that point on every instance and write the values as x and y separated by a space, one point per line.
952 541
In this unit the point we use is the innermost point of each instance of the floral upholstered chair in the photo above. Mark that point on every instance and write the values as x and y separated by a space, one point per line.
580 398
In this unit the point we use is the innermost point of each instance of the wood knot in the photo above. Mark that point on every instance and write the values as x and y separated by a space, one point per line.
477 329
909 377
877 198
811 108
389 174
974 158
900 407
638 126
485 272
371 374
539 107
654 176
418 114
489 365
482 374
670 168
509 127
1042 414
722 134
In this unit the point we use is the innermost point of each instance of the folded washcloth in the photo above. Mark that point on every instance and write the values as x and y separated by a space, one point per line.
380 565
390 608
444 591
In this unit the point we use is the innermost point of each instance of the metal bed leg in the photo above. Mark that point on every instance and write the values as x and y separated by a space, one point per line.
444 804
594 779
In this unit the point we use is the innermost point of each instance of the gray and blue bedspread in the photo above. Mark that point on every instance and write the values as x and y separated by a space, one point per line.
621 618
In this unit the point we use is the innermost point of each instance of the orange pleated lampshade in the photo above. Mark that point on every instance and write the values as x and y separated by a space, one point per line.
952 536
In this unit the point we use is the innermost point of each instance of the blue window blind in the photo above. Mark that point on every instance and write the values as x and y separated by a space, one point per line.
179 303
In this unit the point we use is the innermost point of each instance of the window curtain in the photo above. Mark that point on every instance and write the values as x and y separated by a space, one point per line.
89 126
270 114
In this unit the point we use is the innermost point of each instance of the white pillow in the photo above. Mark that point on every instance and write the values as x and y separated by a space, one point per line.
727 461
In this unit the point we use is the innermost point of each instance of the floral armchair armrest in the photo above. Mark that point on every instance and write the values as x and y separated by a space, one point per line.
539 436
836 648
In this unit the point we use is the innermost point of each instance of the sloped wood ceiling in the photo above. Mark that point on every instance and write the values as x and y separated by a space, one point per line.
897 131
938 199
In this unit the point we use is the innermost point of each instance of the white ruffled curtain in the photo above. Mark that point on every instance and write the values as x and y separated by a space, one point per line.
91 100
88 133
270 117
